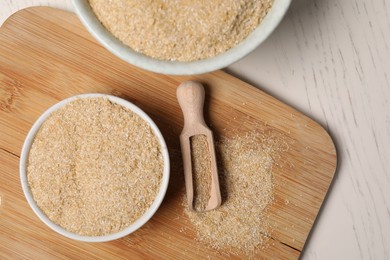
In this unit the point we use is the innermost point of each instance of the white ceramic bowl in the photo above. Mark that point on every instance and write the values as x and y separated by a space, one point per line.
266 27
138 223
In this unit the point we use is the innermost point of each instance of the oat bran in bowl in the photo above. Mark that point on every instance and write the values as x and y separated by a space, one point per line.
181 37
94 167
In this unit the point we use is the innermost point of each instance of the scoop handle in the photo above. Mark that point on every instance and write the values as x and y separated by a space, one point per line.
191 95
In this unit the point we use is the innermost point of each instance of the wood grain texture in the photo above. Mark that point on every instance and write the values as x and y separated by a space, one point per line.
46 56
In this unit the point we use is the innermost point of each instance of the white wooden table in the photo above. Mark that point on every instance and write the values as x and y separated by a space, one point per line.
330 59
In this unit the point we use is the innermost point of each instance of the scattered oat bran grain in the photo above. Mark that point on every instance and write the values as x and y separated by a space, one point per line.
241 224
201 171
94 167
181 30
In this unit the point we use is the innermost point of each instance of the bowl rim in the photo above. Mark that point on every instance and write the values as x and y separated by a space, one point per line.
139 222
115 46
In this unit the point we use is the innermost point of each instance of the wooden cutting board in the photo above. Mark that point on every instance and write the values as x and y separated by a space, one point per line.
46 55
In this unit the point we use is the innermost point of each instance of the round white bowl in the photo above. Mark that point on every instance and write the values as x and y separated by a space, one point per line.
265 28
138 223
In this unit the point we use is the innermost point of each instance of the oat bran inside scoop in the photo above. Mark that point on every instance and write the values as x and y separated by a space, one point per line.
94 167
181 30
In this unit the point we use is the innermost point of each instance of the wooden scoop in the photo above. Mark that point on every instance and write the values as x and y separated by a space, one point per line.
191 95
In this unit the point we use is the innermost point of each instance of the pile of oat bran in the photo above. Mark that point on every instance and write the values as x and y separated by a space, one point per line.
242 224
181 30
